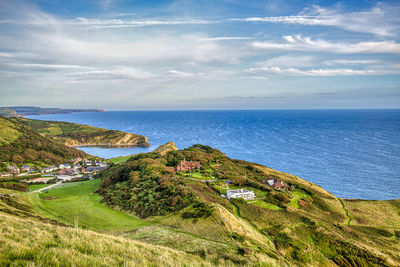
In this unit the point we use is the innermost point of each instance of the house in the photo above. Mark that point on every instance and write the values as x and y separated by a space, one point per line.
25 168
241 193
187 166
275 183
5 174
64 166
65 171
13 169
76 166
77 160
49 169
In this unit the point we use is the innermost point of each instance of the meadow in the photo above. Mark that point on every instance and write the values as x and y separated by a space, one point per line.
77 204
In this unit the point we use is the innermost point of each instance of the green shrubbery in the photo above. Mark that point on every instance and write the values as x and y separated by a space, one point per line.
198 210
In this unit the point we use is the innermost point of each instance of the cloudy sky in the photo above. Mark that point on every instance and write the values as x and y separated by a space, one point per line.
227 54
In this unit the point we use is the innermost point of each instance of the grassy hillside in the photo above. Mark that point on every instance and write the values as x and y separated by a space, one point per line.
75 204
73 134
27 242
303 225
21 144
144 200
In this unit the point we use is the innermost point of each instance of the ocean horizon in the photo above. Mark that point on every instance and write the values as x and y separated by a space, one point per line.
352 153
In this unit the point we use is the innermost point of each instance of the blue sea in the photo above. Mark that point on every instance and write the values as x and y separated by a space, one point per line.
351 153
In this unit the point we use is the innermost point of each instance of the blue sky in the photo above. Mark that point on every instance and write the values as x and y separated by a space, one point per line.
227 54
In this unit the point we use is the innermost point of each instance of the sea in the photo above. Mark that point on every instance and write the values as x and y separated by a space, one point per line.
350 153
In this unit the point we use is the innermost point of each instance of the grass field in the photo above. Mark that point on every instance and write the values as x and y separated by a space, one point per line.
76 204
35 187
196 175
297 195
264 204
120 159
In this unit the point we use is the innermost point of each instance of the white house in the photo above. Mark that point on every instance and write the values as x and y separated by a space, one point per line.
49 169
64 166
241 193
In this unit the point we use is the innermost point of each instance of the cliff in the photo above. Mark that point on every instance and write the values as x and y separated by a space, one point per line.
73 134
163 149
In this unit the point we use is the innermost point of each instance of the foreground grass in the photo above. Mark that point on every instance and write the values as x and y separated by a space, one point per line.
76 204
29 243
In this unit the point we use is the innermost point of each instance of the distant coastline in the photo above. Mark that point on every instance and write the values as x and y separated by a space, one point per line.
32 110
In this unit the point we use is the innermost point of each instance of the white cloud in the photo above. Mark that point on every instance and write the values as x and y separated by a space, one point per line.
114 74
382 19
352 62
119 23
290 61
300 43
322 72
227 38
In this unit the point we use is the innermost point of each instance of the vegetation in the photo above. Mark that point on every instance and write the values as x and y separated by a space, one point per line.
21 144
306 224
75 204
73 134
300 225
26 242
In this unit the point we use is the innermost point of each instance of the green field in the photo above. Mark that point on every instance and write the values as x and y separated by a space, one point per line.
35 187
76 204
264 204
196 175
297 195
120 159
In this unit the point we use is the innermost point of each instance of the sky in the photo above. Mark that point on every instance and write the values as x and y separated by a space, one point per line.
198 54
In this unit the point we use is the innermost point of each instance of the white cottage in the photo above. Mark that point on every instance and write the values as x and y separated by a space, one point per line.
241 193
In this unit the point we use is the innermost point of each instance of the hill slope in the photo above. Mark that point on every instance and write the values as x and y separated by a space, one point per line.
56 245
73 134
301 224
21 144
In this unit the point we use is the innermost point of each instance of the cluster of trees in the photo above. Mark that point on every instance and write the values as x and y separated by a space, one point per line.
145 186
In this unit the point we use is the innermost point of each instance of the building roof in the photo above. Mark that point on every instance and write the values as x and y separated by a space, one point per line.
236 191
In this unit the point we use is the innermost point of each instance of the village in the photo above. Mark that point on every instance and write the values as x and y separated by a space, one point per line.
75 170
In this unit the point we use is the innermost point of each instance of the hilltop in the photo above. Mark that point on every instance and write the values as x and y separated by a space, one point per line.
73 134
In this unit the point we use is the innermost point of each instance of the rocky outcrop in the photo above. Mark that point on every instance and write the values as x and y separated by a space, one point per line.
163 149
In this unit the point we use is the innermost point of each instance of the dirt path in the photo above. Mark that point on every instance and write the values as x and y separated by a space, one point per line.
346 212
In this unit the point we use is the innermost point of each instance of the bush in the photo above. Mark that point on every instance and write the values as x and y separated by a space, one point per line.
198 210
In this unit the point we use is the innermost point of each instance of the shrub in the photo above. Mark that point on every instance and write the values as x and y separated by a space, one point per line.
198 210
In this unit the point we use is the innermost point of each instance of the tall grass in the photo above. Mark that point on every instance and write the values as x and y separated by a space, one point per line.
29 243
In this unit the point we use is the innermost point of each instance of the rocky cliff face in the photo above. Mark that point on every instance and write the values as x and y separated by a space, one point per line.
163 149
111 139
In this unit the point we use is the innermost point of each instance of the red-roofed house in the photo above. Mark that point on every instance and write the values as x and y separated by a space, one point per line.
187 166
